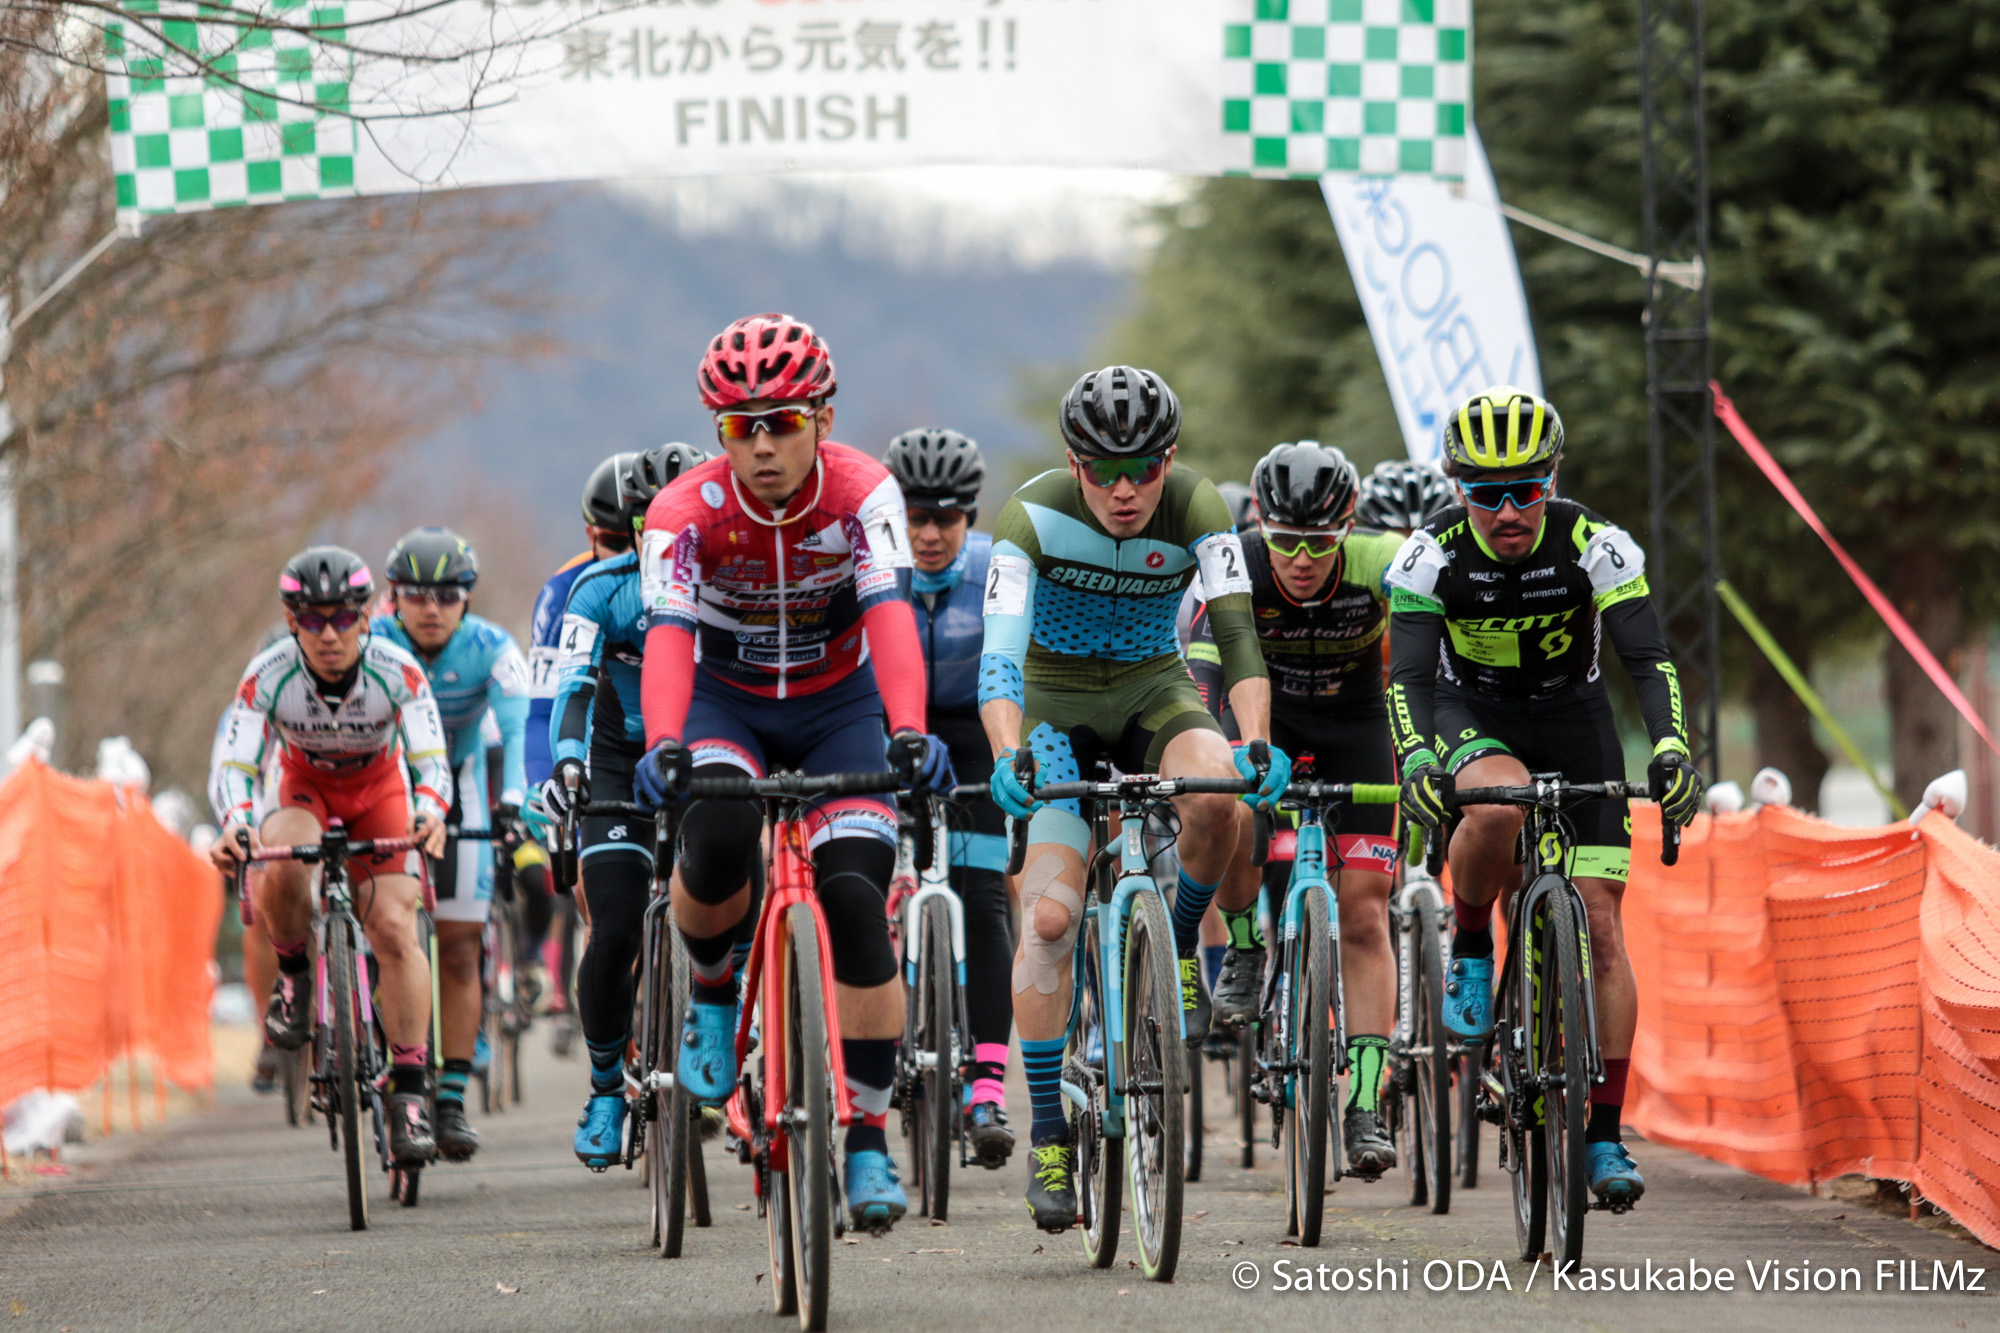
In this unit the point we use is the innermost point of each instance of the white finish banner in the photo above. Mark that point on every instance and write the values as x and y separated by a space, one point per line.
1435 269
218 107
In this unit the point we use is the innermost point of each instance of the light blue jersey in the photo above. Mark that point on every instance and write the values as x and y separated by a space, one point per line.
603 636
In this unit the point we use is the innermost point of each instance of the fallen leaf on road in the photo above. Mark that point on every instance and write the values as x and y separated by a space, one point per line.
938 1251
742 1207
1196 1217
1294 1244
849 1240
1038 1250
1840 1217
506 1290
760 1278
320 1292
1123 1292
885 1261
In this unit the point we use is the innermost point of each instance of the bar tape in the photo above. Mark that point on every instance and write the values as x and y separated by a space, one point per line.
1906 636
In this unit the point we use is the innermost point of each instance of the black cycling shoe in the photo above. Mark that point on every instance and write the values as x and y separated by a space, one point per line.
411 1142
288 1017
1238 985
1370 1150
1195 1009
457 1140
1051 1186
986 1130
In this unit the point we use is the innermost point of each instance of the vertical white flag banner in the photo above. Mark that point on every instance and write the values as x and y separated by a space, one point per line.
1435 269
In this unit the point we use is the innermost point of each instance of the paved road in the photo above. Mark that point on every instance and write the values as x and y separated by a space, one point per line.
229 1220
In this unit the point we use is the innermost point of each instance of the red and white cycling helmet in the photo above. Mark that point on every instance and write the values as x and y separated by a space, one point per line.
764 356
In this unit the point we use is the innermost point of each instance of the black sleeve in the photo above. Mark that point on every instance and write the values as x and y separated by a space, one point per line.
1204 661
1635 634
1415 637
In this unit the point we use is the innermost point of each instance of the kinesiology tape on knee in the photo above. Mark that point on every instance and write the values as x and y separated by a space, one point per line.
1042 961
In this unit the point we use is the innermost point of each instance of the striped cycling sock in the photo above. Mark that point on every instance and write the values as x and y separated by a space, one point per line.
1041 1061
1191 902
1366 1058
871 1073
451 1083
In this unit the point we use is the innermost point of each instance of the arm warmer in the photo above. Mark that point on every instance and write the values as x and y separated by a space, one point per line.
1234 630
1415 636
1642 647
666 681
898 657
1204 661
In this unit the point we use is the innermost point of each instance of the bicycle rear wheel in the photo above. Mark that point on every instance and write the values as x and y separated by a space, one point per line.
669 1130
1430 1047
1096 1162
1310 1116
929 1044
1156 1082
295 1071
808 1121
347 1082
1562 1048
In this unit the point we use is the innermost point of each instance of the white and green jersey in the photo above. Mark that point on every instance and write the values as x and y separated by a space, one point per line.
341 730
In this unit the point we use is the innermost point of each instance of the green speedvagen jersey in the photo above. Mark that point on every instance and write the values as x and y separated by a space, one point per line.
1080 625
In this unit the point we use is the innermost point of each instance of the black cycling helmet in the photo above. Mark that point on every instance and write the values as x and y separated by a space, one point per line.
1305 485
648 474
1120 412
1401 494
603 502
937 469
1242 503
326 576
432 558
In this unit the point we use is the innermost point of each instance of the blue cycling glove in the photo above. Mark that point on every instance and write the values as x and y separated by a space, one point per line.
1008 792
662 774
1271 787
921 761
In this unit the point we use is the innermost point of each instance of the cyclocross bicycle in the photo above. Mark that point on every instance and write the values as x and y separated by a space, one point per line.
1302 1037
663 1129
1125 1069
929 921
1422 1052
1543 1059
348 1062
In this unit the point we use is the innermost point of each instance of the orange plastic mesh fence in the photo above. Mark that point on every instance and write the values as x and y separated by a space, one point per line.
107 934
1816 1000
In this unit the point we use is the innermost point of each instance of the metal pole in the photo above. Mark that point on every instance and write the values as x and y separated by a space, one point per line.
1683 562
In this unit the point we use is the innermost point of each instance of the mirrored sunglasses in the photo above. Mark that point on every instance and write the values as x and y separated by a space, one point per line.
343 620
1315 544
1104 473
778 421
1523 492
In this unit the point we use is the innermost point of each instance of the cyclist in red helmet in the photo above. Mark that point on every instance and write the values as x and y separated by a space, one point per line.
787 561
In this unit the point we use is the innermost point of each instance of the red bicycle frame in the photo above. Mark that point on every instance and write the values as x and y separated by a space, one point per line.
789 883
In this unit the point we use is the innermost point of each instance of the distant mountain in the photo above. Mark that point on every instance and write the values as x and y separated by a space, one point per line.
927 342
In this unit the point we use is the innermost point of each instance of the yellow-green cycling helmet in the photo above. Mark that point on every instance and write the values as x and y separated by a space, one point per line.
1503 427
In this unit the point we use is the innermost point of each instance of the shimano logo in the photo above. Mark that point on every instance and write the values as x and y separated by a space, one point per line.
1546 571
1546 592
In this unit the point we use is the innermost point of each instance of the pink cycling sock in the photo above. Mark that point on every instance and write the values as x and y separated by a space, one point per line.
985 1089
418 1055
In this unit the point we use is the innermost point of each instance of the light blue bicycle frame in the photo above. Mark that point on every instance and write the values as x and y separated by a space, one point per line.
1113 919
1308 875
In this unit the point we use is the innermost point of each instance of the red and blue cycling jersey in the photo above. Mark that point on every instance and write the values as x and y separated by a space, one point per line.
778 603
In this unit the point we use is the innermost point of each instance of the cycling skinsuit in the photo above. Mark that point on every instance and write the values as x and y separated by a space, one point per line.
544 647
1324 659
479 669
344 745
595 717
951 626
805 639
1080 629
1496 658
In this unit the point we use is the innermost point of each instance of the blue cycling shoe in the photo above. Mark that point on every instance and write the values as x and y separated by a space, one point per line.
706 1065
600 1132
1614 1177
1468 997
875 1197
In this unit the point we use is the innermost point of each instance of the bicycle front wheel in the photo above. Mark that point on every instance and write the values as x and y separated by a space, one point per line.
1430 1056
347 1081
929 1042
668 1109
1156 1083
1311 1059
1562 1051
1195 1126
1246 1100
808 1121
1466 1067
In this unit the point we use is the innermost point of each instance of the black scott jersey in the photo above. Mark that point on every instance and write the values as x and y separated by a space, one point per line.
1326 652
1526 633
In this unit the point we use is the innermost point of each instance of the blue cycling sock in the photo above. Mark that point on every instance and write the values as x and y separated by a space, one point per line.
1190 904
1042 1062
606 1076
451 1083
1211 961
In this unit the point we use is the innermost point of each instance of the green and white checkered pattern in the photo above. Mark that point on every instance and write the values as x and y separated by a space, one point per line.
1379 87
181 144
